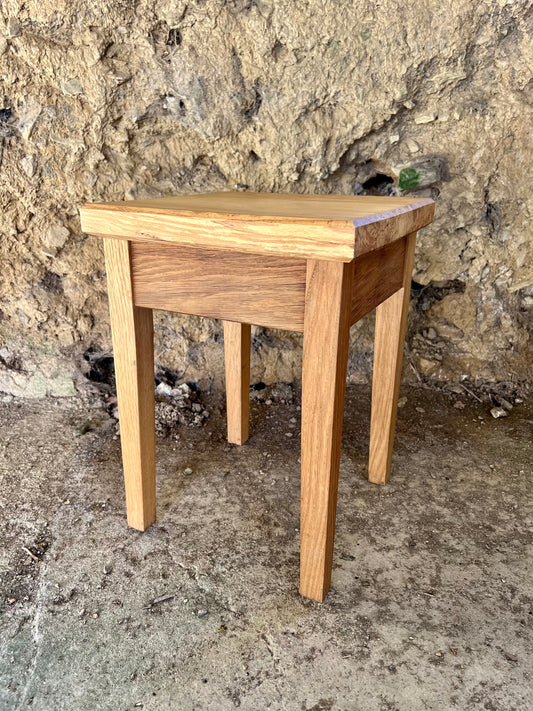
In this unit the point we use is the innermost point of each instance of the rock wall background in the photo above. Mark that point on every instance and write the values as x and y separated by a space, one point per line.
116 100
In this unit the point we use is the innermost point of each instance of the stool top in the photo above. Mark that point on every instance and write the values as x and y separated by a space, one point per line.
332 227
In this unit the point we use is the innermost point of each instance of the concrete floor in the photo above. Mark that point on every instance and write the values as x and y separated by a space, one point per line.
431 606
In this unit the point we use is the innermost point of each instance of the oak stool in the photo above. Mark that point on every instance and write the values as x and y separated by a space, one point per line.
309 263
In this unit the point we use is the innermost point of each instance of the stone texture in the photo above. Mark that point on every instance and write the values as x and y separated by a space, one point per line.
54 239
28 165
122 101
72 87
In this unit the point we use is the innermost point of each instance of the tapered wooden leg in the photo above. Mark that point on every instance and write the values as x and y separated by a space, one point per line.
237 343
391 322
133 348
325 357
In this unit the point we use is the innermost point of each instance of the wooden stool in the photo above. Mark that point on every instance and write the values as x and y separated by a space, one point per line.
309 263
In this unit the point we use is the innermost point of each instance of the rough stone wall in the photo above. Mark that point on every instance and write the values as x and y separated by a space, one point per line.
119 100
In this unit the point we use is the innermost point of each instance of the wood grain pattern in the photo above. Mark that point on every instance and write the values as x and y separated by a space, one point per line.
377 231
391 322
325 357
236 287
237 344
134 371
377 275
331 227
268 207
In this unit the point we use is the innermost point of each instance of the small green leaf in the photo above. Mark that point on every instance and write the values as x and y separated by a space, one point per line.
409 178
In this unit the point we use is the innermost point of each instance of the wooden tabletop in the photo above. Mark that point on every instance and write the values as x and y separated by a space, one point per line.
332 227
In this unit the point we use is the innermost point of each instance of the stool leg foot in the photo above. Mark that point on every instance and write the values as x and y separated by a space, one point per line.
325 357
391 322
237 342
133 349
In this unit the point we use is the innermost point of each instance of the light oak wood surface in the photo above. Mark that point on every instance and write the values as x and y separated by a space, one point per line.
377 275
310 263
237 342
331 227
325 358
266 291
133 351
391 322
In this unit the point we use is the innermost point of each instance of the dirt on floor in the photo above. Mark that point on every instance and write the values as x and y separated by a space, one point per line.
431 605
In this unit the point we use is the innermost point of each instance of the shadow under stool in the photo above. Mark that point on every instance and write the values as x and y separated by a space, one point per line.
309 263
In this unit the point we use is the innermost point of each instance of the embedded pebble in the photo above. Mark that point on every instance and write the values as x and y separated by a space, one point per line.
498 412
28 165
72 87
425 118
13 27
163 389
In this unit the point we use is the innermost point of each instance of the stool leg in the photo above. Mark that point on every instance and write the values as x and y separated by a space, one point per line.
237 343
133 349
391 322
325 357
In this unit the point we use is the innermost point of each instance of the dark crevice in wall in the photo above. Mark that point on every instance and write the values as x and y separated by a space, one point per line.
100 370
492 215
12 362
425 295
52 282
101 366
173 38
253 109
379 184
